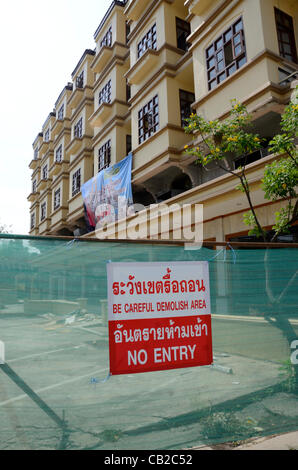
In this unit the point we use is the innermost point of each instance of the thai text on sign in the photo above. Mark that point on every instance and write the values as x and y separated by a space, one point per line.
159 316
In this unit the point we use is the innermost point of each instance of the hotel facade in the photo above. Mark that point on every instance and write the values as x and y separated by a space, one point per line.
154 62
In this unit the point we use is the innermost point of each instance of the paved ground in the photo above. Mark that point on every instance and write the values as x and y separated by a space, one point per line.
65 361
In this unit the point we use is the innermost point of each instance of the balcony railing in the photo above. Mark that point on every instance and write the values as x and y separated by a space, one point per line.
251 158
288 76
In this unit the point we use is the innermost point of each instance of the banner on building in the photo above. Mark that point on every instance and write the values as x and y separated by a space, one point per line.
159 316
108 194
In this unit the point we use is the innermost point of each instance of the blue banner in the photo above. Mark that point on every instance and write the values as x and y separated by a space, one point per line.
108 194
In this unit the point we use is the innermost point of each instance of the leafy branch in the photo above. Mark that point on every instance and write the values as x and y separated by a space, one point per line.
221 142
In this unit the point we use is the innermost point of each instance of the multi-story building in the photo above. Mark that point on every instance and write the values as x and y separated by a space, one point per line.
59 170
155 62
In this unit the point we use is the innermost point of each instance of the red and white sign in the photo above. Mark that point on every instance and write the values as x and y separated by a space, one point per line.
159 316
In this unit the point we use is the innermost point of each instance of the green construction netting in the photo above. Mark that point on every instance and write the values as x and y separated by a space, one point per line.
53 321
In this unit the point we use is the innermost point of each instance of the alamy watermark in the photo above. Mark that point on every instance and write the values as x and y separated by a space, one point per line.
155 222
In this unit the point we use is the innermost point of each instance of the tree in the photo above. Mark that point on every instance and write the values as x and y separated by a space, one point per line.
5 228
281 177
221 142
279 182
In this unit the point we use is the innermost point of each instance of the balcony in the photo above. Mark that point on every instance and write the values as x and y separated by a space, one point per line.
102 58
143 67
32 197
76 97
165 150
251 158
135 8
58 219
43 184
57 128
34 231
264 79
44 147
75 209
44 226
100 115
75 145
57 168
34 163
48 157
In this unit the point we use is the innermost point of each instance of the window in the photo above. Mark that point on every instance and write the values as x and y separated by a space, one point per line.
45 172
128 91
57 199
105 94
148 120
149 41
226 55
104 156
76 182
186 100
78 129
34 186
35 154
80 80
107 39
61 113
182 32
286 35
127 30
43 212
32 221
58 155
128 144
47 136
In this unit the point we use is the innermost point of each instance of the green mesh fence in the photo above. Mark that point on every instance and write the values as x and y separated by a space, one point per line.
53 322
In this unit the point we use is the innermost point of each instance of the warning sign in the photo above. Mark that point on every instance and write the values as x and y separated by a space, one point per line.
159 316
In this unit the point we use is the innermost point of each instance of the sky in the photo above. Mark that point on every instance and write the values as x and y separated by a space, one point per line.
41 43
